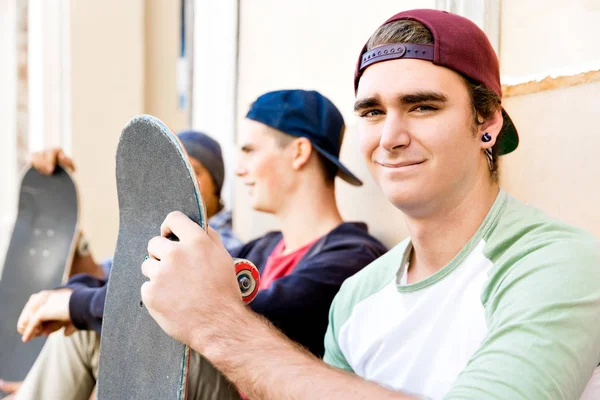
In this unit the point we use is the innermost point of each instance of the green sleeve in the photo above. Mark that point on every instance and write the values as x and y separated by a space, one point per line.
333 353
543 314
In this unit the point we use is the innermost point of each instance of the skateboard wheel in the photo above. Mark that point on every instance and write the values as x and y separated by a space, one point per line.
248 279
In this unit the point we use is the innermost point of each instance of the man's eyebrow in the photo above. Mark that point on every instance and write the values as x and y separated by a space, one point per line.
420 97
406 99
367 103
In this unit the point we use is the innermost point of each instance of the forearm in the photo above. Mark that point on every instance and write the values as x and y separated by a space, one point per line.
86 305
264 364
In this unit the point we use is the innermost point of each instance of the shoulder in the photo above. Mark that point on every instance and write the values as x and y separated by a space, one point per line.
528 247
262 245
350 236
347 249
367 282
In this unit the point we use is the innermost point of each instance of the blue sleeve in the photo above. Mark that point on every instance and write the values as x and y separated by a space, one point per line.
229 240
106 265
86 306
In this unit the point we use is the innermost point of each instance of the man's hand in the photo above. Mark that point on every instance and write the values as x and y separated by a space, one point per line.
9 387
44 313
46 161
192 281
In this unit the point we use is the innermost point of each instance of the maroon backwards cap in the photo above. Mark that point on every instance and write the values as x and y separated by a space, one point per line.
459 45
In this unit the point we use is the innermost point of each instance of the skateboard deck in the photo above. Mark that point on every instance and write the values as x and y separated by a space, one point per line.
39 257
154 177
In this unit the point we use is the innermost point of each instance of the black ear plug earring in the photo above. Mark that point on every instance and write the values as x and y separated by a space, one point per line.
488 152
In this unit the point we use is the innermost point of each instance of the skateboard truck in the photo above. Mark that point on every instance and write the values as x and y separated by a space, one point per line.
248 279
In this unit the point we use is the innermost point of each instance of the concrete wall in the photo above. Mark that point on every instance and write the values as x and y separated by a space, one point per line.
162 44
556 166
107 81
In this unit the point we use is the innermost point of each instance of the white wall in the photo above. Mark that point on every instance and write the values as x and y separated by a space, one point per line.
554 35
49 75
8 124
214 82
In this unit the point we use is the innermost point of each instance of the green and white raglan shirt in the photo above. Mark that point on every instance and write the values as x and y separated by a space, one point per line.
515 315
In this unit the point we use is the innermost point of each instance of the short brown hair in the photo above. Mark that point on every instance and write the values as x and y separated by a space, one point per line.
484 101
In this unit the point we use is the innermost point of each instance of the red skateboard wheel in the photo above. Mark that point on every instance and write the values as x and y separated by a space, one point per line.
248 279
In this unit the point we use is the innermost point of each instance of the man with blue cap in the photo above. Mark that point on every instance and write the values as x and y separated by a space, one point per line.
290 143
289 157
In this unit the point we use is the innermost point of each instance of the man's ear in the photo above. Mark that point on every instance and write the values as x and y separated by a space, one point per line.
492 127
301 151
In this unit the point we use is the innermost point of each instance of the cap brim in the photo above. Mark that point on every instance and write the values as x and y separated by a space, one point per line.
510 138
343 172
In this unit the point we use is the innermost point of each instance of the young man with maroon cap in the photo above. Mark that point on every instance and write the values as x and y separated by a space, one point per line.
488 299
